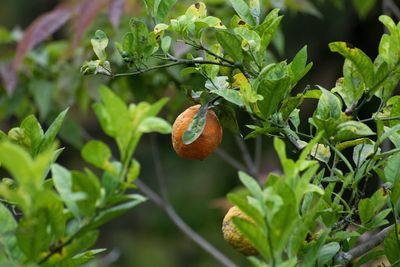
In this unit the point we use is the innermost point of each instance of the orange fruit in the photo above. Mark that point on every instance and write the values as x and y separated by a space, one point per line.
205 144
233 236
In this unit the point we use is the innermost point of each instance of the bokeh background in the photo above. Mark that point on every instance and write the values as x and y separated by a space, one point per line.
145 237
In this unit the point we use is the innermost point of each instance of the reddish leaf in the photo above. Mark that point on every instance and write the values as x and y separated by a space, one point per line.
115 9
9 77
87 13
41 28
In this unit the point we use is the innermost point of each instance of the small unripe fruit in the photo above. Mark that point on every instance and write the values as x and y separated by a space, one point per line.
233 236
205 144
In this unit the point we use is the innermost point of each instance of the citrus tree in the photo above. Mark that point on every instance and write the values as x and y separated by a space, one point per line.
313 213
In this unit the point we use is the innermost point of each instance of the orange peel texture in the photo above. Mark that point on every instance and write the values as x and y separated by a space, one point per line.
207 142
233 236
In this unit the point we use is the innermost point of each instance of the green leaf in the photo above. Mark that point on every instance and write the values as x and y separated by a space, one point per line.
166 44
392 246
256 237
298 66
63 182
392 170
243 10
8 241
162 7
85 240
369 257
231 44
389 45
328 106
272 84
230 95
312 253
34 131
361 152
32 235
155 124
99 43
250 39
52 131
141 46
97 153
327 252
134 170
350 88
351 130
246 207
18 163
251 184
196 126
268 28
88 184
369 207
360 60
115 211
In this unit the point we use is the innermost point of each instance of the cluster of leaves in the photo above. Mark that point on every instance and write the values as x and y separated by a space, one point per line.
237 68
339 130
57 212
307 200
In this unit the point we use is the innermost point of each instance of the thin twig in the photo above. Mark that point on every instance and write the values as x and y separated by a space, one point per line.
175 62
158 167
344 258
230 160
189 232
246 157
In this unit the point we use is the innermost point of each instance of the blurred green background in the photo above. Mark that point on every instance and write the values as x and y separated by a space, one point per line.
145 237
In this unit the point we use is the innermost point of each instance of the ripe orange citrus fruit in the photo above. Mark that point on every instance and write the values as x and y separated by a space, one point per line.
233 236
205 144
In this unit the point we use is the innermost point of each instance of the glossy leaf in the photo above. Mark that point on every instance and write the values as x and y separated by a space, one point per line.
154 124
230 95
63 182
162 7
243 10
8 241
231 44
96 153
392 170
327 253
352 130
360 60
112 212
32 235
196 126
392 246
273 84
34 131
99 43
51 133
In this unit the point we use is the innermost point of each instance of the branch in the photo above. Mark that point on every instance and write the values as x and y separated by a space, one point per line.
163 202
230 160
246 157
175 62
189 232
344 258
